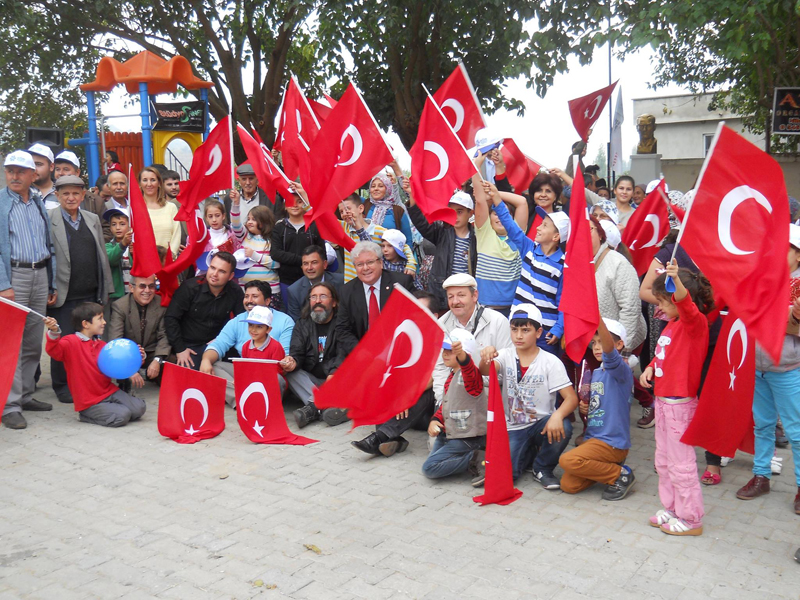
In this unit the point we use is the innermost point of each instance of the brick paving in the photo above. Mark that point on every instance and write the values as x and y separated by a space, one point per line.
89 512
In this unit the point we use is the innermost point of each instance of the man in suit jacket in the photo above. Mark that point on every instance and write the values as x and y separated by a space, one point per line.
315 265
139 316
78 240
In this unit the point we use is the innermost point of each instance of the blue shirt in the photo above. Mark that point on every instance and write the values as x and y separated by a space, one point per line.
609 418
27 230
74 224
235 333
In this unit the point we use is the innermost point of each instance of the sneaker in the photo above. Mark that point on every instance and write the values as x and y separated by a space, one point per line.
620 488
724 461
681 527
776 465
305 415
334 416
781 441
661 517
757 486
548 480
648 418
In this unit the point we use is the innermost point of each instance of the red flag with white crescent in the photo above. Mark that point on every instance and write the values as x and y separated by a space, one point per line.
520 170
211 170
723 422
13 317
269 175
439 165
587 109
459 103
736 230
298 127
390 367
196 238
647 226
143 240
191 405
259 409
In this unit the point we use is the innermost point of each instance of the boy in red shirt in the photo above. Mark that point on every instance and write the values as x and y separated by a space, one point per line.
261 345
97 400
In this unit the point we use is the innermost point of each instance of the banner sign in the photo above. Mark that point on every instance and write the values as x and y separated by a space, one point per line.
180 116
786 111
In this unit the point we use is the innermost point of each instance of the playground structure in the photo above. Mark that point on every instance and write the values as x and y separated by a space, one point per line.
148 75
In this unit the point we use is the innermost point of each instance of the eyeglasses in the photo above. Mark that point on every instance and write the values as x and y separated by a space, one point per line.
320 297
366 263
146 286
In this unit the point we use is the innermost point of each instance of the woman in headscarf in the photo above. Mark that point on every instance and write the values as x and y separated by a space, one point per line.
384 207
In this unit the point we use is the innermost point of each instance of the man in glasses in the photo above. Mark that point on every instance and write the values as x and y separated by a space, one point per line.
139 316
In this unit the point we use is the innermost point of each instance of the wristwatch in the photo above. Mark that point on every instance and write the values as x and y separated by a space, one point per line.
158 359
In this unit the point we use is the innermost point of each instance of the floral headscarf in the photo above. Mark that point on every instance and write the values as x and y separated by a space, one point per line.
385 203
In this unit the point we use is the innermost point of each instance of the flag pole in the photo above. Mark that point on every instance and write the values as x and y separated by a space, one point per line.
22 307
450 127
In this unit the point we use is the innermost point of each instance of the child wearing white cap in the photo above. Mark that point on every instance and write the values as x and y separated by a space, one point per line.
393 246
608 434
261 344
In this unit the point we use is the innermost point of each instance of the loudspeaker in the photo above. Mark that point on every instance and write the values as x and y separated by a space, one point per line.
52 137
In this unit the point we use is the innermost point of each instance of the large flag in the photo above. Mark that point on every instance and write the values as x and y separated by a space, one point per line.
439 165
348 151
499 484
458 96
321 111
737 232
723 422
648 225
13 316
390 367
211 170
579 292
259 409
191 405
270 177
196 238
143 240
520 170
587 109
616 135
297 129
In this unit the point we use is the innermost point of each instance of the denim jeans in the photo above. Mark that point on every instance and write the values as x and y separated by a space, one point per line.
449 457
776 394
529 443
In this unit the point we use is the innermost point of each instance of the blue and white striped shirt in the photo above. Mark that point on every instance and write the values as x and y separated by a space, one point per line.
27 230
461 256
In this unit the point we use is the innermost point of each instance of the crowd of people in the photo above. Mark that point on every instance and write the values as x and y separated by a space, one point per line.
268 286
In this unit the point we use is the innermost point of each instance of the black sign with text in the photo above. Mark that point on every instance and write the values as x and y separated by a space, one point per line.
786 111
180 116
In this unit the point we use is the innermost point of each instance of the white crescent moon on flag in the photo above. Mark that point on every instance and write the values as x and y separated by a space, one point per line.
737 327
444 162
358 145
729 203
254 388
300 128
216 159
410 329
194 394
201 226
458 109
597 102
656 223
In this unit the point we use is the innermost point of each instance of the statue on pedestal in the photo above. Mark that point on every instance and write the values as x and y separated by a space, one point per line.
646 126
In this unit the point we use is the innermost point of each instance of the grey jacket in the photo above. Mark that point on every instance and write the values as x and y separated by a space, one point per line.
5 241
790 355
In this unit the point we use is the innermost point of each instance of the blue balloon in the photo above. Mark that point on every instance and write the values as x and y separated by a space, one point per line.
119 359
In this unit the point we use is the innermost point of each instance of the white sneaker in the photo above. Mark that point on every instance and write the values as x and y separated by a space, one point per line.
776 465
725 460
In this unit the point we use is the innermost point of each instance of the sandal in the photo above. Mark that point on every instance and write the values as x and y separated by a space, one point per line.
710 478
662 517
680 527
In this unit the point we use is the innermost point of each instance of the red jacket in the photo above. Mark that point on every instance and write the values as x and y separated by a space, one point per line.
680 353
87 384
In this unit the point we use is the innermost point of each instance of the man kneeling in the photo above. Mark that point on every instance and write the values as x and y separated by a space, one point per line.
608 437
97 400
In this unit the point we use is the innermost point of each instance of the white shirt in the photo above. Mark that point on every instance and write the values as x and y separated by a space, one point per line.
377 286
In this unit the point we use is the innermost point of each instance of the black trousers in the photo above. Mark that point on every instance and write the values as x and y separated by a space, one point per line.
419 416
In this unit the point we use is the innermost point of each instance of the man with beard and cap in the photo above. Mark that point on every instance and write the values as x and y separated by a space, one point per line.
44 161
313 355
234 336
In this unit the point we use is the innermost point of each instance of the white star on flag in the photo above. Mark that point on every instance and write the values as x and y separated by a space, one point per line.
257 428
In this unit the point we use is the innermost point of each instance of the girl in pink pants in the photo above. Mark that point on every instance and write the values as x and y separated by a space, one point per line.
675 375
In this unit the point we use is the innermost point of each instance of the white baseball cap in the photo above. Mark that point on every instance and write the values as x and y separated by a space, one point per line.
526 311
20 158
396 238
468 342
460 280
617 328
42 150
613 236
70 157
794 235
486 140
463 199
260 315
559 219
654 184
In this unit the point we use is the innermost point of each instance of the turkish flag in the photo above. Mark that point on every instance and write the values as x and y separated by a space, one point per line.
579 291
259 409
269 175
439 165
348 150
520 169
463 112
211 170
647 226
167 281
143 241
587 109
191 405
196 238
499 485
297 129
723 422
321 111
390 367
737 232
332 231
12 316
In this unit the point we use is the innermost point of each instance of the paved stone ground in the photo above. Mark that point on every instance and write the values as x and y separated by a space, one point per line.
89 512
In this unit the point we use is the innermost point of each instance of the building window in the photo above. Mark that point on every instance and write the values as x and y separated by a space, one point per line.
707 139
